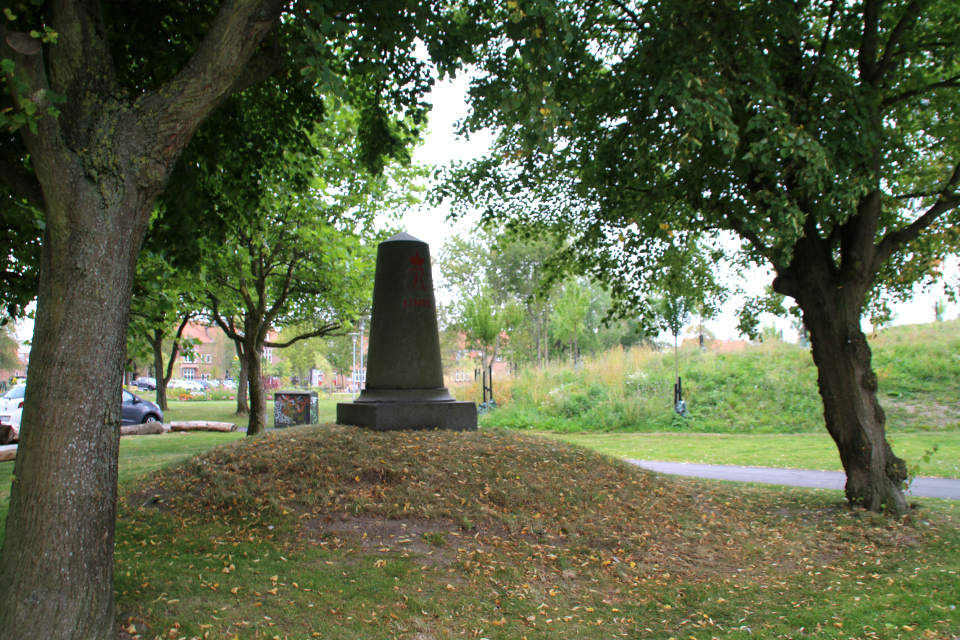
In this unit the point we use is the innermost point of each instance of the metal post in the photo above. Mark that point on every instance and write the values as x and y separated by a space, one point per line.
353 374
490 369
362 376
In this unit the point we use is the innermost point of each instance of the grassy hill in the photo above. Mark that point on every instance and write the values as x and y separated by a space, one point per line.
763 388
337 532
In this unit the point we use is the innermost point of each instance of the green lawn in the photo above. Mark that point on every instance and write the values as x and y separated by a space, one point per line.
245 544
794 451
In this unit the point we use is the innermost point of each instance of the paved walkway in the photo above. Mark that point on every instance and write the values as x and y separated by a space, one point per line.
922 487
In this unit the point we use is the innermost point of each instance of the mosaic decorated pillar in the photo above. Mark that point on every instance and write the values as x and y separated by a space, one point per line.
404 383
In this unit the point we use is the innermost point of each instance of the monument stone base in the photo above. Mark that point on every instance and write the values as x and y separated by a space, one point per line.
409 416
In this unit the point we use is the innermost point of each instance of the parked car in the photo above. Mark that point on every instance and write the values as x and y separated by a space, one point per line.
230 384
13 398
136 410
11 408
133 409
147 384
12 419
188 385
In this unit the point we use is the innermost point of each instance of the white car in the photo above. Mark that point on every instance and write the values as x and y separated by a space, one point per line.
13 399
11 408
189 385
12 419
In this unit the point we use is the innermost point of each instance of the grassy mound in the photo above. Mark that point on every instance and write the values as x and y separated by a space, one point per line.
336 532
768 388
487 482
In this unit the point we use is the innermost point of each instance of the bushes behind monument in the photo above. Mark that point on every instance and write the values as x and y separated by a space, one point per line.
759 388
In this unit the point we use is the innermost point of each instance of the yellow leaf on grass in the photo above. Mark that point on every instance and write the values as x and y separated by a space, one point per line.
272 592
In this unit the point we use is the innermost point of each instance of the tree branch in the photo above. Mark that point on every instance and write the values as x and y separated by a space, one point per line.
867 58
325 330
953 82
948 200
217 69
227 328
637 20
824 44
906 22
740 228
176 346
281 299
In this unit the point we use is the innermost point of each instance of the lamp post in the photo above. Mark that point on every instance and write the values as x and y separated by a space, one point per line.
353 374
362 376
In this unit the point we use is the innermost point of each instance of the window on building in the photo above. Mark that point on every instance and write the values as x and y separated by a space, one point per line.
268 354
207 358
188 358
188 374
204 376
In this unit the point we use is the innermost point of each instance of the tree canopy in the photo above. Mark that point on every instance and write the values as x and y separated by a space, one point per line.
823 135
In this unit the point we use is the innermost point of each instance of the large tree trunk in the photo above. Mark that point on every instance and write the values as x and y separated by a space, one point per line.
56 567
852 412
99 166
832 309
258 397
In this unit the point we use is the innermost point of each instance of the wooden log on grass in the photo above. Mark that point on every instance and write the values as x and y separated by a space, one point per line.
146 429
202 426
8 452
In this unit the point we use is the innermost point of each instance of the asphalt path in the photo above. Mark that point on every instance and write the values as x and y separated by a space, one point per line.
922 487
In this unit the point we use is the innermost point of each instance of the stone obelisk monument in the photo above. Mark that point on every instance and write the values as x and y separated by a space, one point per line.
404 387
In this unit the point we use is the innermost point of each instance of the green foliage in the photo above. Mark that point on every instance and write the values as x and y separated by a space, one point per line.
9 360
916 467
627 128
506 284
765 388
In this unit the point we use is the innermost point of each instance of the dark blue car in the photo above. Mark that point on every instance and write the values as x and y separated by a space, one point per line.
139 411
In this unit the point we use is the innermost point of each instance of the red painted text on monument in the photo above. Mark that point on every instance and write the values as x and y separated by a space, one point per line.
422 303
